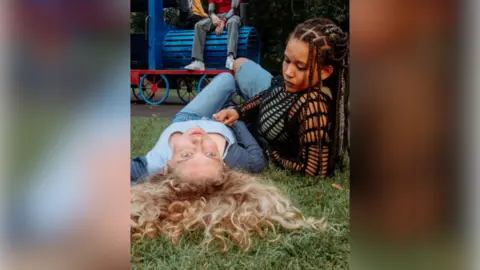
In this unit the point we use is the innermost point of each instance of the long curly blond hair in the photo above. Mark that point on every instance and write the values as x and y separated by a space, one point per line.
231 206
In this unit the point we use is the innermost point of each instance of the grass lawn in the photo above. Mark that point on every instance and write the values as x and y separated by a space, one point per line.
294 250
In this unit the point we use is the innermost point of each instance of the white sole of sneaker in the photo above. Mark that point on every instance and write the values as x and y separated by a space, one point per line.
193 69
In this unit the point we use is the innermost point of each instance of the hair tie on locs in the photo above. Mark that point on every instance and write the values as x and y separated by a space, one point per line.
328 29
332 28
338 40
333 33
345 63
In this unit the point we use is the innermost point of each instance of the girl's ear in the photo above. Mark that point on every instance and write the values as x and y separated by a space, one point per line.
168 168
326 72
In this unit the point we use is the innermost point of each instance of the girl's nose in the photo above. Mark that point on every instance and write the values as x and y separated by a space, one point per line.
289 72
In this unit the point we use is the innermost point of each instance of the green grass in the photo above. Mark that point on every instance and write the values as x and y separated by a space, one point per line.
294 250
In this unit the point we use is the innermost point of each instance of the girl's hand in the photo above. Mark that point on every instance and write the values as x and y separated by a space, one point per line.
215 19
220 27
227 116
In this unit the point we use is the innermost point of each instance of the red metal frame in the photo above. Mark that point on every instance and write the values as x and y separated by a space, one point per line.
181 71
134 78
135 74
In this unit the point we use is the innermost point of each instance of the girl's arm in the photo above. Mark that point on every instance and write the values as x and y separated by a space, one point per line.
246 154
250 109
313 157
211 11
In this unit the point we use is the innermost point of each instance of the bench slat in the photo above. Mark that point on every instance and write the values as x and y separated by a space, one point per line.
177 47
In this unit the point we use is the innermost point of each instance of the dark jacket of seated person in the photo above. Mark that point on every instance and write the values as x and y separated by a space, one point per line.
191 12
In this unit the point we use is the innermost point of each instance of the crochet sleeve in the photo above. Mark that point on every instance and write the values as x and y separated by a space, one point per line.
313 157
250 109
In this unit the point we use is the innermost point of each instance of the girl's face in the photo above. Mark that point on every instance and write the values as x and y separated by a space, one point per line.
196 153
295 67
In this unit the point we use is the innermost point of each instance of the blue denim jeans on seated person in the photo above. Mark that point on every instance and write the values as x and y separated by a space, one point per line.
210 100
252 79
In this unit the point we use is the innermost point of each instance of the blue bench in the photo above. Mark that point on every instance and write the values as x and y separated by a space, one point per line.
177 48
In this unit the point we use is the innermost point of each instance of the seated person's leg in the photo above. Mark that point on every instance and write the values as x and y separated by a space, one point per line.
251 77
233 25
200 35
196 13
212 98
192 20
189 22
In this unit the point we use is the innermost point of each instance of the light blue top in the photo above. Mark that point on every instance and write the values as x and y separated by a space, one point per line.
158 156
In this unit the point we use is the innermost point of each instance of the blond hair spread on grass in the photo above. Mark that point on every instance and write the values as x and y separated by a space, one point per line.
228 205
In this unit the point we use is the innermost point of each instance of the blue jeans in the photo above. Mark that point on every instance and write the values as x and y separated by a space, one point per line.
210 100
252 79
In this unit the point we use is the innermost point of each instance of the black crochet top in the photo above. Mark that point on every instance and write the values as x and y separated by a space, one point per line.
293 128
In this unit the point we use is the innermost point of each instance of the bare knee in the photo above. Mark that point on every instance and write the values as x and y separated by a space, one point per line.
238 62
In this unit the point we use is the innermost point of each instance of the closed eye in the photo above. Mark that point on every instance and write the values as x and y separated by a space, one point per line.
287 61
301 68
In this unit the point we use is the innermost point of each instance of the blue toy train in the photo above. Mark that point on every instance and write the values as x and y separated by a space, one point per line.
159 55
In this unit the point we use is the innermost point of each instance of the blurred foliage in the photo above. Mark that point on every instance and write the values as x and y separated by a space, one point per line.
274 20
171 16
137 22
137 19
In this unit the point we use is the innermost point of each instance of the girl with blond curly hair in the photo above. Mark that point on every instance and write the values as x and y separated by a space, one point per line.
227 206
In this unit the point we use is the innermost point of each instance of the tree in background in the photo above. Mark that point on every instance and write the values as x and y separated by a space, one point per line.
275 19
137 19
137 22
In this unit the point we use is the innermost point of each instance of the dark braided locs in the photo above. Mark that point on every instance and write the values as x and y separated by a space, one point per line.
328 45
